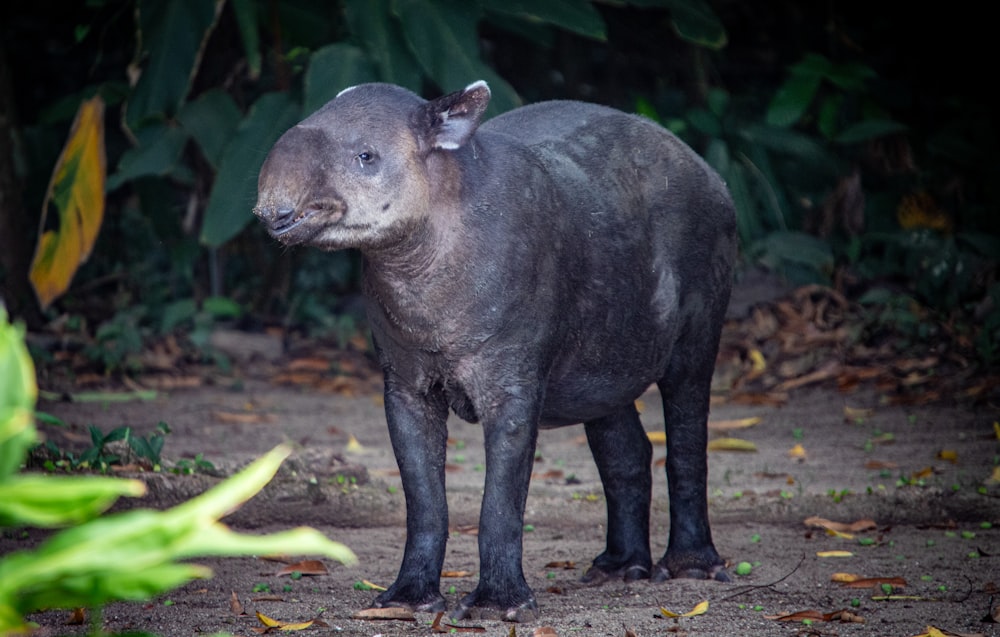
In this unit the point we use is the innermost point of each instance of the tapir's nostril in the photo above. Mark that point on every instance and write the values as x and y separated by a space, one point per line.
282 213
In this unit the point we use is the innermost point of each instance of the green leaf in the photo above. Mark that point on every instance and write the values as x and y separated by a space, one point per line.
159 151
381 34
246 18
51 501
18 393
211 120
793 247
870 129
172 33
332 69
176 313
221 307
694 21
442 34
235 189
792 99
578 16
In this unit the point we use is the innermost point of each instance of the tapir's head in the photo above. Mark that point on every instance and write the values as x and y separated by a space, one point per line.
355 173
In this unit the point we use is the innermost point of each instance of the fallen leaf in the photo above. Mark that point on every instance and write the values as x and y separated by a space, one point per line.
853 414
457 573
757 362
353 446
797 616
844 577
77 617
881 464
307 567
737 423
365 585
235 606
872 582
563 564
438 627
839 534
948 455
932 631
995 475
863 524
241 417
798 452
392 612
544 631
834 554
700 609
280 625
731 444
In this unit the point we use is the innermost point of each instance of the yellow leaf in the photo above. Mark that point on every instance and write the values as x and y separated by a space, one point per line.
949 455
840 534
852 414
700 609
657 437
739 423
844 578
798 451
995 476
353 446
757 362
731 444
834 554
996 429
76 190
280 625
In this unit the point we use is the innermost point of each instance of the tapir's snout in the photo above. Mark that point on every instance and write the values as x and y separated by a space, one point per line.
291 223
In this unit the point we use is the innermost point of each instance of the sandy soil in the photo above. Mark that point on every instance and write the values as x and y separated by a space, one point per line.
933 535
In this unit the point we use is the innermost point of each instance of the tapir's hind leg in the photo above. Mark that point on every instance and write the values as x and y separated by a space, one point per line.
686 391
623 453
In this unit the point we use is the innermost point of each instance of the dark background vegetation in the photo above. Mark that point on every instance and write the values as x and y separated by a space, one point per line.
859 140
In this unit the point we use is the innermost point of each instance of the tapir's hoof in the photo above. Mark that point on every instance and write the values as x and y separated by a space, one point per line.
472 607
595 575
429 603
690 568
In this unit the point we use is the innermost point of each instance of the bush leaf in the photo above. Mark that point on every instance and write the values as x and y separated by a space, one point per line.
77 193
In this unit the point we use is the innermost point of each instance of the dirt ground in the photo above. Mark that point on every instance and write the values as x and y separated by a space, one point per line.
934 534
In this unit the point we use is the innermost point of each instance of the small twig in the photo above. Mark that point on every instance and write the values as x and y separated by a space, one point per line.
768 585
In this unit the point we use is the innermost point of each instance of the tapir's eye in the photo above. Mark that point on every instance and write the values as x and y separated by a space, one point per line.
365 158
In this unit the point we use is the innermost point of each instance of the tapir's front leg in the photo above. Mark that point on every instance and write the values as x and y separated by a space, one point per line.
419 439
510 433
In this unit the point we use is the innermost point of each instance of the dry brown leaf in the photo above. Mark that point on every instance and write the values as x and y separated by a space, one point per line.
798 616
552 474
881 464
391 613
873 582
563 564
853 414
270 623
948 455
306 567
544 631
311 364
235 606
77 617
438 627
242 417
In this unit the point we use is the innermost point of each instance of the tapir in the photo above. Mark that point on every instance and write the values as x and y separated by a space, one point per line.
539 269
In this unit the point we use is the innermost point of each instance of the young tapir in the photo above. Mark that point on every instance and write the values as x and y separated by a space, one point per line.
537 270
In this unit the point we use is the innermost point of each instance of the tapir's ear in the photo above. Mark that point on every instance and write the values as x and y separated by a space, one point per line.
449 121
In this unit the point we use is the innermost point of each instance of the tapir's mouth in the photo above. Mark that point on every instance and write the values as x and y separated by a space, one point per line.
323 212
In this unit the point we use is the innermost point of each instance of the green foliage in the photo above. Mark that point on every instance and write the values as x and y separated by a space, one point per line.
127 556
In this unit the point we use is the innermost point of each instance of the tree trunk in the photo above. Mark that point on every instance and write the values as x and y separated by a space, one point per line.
16 235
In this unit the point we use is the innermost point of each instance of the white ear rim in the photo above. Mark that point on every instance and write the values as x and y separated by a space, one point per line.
349 88
478 84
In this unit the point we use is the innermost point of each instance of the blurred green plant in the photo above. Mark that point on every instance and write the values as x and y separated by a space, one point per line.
127 556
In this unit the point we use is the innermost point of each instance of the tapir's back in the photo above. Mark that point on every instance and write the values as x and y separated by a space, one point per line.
654 237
